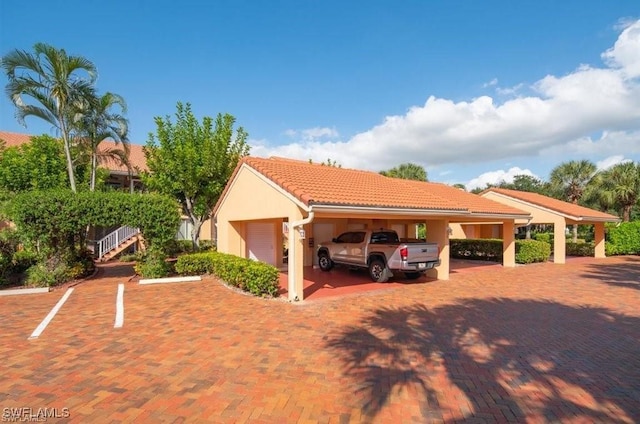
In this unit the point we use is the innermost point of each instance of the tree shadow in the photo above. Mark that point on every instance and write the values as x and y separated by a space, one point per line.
512 359
626 274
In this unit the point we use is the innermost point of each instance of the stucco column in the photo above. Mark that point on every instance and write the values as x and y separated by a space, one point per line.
559 242
599 240
295 266
438 232
508 244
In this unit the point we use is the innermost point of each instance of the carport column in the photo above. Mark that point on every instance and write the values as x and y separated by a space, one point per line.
295 266
508 244
599 240
438 232
559 242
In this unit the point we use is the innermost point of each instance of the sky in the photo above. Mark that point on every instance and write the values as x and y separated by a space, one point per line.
475 91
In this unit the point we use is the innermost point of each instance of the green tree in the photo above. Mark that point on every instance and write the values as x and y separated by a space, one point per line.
97 121
37 165
525 182
407 171
619 187
193 161
569 180
54 82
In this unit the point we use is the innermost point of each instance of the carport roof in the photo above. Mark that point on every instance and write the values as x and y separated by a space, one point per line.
317 184
568 210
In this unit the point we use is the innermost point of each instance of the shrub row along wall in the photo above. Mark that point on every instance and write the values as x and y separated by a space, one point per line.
527 251
623 238
257 278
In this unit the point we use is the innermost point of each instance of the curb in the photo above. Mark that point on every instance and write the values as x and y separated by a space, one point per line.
14 292
170 280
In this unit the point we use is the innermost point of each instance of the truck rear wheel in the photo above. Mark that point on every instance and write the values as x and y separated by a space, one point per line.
378 271
324 262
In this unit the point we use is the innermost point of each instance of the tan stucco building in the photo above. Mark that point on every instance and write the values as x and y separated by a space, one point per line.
270 203
542 210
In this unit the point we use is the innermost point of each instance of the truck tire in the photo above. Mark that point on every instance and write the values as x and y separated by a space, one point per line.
412 275
378 271
324 262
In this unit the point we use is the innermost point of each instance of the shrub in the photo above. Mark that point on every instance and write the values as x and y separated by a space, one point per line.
23 260
48 273
482 249
257 278
137 256
530 251
623 239
196 263
207 246
154 264
580 249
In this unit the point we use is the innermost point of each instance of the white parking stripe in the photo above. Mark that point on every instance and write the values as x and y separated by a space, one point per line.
40 328
119 307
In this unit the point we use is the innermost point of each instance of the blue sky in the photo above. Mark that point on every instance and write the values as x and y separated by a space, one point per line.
473 91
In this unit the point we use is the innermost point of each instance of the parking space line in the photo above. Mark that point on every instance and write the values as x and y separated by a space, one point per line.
119 307
40 328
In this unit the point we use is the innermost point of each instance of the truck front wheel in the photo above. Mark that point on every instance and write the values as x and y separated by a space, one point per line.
324 262
378 271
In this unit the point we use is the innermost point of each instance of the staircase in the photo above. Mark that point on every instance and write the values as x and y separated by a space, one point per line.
116 241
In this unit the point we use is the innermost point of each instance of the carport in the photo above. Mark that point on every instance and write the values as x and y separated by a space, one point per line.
273 203
547 210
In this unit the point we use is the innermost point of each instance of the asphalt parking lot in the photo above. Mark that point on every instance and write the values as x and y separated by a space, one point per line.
540 343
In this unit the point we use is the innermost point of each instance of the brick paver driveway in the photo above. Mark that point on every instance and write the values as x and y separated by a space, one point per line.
541 343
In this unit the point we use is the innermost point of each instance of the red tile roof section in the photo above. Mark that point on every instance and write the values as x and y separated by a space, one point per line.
556 205
136 153
328 185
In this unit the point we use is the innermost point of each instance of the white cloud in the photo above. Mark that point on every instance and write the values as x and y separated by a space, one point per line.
491 83
611 161
559 116
496 177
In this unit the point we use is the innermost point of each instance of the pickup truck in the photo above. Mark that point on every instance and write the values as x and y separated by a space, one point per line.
381 252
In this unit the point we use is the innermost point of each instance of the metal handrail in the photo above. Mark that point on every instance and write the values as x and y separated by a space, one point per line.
113 239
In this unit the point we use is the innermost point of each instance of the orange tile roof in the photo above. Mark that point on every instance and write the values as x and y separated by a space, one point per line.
317 184
565 208
136 153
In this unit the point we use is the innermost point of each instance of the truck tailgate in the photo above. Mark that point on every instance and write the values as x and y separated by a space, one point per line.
422 252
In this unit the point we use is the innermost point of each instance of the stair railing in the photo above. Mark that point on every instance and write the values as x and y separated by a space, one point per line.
113 239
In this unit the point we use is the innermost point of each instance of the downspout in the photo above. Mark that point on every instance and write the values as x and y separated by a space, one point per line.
291 266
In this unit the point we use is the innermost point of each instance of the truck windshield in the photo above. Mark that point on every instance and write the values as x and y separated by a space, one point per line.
384 237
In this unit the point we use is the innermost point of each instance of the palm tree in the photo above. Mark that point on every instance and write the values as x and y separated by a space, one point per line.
54 82
407 171
620 187
96 122
569 181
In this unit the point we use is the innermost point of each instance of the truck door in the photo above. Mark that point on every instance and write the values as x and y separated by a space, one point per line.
340 246
357 248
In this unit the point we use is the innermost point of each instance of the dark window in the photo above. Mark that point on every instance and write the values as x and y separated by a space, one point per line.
344 238
358 237
384 237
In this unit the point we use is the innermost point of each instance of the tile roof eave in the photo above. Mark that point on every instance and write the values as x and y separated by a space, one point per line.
345 207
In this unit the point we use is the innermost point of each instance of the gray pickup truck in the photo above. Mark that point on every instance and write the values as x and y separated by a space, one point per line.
381 252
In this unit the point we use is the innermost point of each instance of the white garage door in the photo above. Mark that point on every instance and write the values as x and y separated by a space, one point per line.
321 232
261 240
353 227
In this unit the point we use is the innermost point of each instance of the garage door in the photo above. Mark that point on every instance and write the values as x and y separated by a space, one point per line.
322 232
353 227
261 238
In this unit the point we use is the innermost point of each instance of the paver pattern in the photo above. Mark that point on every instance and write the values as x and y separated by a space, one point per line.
539 343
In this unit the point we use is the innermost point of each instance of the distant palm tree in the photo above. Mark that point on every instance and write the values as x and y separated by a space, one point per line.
55 82
569 181
620 187
407 171
96 122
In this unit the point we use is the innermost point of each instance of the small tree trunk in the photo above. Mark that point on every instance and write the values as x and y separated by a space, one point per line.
528 233
94 165
67 153
575 233
626 213
195 233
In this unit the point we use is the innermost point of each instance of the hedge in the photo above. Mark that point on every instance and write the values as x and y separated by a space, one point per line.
257 278
580 249
527 251
623 239
530 251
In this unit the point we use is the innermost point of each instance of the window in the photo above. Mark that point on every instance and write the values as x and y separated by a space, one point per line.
384 237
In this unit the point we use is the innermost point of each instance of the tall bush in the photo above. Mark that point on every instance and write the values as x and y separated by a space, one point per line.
623 238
